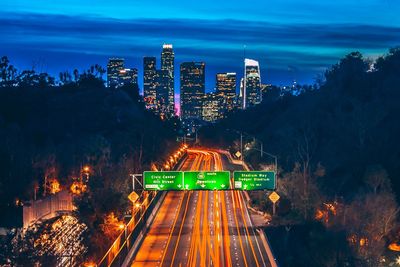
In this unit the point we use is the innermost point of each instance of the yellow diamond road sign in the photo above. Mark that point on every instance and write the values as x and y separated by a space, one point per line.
274 197
133 197
238 154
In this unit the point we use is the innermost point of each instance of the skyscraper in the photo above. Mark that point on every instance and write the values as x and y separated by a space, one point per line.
128 77
149 82
192 77
226 88
162 100
114 66
212 107
252 84
167 65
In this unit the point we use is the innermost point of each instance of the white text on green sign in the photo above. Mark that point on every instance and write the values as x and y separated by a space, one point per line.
171 180
254 180
206 180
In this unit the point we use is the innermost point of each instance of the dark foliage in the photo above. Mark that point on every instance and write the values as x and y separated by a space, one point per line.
349 123
309 245
54 130
336 143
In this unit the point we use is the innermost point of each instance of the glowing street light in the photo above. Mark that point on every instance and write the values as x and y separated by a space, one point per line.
86 171
90 264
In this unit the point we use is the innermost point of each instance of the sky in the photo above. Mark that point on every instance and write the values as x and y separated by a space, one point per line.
292 40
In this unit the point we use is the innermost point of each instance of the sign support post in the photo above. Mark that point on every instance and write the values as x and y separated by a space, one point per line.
134 177
274 197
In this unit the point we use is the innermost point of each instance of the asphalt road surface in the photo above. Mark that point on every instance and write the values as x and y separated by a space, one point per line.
202 228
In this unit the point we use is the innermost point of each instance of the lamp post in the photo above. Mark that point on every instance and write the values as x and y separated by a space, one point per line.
268 154
261 150
241 147
241 142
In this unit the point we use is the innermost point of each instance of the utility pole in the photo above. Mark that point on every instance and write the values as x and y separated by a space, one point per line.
45 186
241 146
261 149
244 78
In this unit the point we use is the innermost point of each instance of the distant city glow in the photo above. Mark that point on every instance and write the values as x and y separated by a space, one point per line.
284 37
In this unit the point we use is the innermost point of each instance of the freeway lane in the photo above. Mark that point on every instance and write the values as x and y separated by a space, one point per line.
155 242
202 228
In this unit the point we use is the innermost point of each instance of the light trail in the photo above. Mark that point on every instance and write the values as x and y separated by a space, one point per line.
205 228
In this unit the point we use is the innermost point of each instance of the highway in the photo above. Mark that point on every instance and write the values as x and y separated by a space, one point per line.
202 228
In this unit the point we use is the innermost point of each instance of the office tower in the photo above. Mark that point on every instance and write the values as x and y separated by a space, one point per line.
149 82
192 77
252 84
226 87
128 77
162 100
114 66
167 65
239 98
212 107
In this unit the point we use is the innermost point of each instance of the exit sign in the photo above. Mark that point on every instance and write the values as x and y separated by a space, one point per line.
206 180
172 180
254 180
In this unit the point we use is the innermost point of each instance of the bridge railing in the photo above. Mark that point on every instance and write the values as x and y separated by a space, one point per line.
123 243
118 251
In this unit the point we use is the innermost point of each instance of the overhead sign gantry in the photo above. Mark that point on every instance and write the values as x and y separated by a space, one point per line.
209 180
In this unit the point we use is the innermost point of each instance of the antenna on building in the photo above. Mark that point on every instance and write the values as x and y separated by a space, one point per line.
244 78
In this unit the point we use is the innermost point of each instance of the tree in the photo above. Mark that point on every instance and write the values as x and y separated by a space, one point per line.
377 178
369 220
304 196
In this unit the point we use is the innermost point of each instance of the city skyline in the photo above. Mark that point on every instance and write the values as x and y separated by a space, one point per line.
200 133
289 44
163 98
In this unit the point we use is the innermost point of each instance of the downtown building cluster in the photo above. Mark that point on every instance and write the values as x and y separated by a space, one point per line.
196 106
118 75
158 84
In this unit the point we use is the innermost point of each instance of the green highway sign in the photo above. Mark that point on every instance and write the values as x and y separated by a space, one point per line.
171 180
254 180
206 180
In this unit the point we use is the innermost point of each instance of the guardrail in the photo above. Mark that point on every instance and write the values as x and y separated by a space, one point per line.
121 246
273 261
119 250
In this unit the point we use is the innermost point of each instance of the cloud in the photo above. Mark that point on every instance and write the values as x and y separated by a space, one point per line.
307 47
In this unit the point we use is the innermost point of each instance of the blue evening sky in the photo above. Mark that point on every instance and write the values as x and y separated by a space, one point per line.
291 39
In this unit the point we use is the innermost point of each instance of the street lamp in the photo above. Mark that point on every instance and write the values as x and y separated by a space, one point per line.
241 133
248 148
241 142
268 154
124 227
86 171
